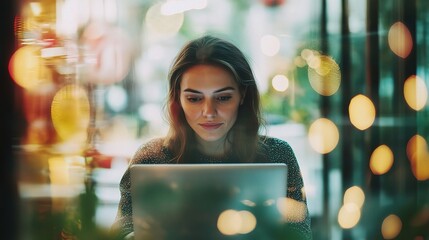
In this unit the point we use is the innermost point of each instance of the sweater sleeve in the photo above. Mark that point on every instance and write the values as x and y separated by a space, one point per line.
149 153
296 214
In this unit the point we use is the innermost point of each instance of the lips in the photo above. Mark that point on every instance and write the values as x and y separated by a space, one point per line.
210 126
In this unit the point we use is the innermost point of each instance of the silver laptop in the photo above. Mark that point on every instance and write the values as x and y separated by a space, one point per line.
206 201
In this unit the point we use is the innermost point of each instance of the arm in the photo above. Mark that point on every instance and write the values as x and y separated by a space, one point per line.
296 213
148 153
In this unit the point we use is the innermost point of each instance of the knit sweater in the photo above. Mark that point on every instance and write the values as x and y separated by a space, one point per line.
274 150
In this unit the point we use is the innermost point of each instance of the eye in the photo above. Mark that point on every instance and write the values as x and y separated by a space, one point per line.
224 98
193 99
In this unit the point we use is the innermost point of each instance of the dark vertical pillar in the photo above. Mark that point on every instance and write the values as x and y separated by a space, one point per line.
372 80
9 193
324 108
406 120
346 154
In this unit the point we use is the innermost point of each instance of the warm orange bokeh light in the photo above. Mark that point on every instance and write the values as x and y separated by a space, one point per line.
324 74
349 215
415 92
418 154
354 195
361 112
391 227
27 69
291 209
400 40
232 222
323 135
381 160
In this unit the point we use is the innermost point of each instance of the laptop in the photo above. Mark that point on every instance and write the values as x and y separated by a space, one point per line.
206 201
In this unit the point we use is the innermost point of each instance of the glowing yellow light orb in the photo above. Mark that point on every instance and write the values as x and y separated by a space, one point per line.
291 209
391 227
248 222
415 92
280 83
323 135
381 160
349 215
324 75
229 222
361 112
27 69
354 195
70 112
418 154
400 40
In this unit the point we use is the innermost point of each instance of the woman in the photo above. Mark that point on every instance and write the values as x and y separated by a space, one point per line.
214 114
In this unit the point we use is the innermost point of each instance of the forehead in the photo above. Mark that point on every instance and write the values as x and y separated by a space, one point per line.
207 77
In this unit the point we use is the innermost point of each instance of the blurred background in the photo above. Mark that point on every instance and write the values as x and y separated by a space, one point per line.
344 82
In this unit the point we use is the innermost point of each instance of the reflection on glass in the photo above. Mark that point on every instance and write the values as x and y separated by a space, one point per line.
324 74
70 113
291 210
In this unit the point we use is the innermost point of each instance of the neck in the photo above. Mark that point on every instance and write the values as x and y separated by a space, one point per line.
216 148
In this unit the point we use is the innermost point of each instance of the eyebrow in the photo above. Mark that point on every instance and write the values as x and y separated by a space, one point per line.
217 91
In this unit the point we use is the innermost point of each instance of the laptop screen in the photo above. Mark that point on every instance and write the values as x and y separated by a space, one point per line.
206 201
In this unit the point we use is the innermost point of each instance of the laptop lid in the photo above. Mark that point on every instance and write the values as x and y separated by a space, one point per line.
206 201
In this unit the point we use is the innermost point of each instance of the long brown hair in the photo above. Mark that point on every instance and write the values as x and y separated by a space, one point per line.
243 136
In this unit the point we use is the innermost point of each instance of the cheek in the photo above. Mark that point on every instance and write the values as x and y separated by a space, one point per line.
191 112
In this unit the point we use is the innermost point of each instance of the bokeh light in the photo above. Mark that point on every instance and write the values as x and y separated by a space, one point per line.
418 154
232 222
354 195
400 40
381 160
323 135
117 98
291 209
109 53
175 7
361 112
415 92
280 83
349 215
391 227
27 69
160 24
270 45
70 111
323 73
248 222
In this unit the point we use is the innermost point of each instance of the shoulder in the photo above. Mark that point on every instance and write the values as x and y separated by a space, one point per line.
277 150
152 151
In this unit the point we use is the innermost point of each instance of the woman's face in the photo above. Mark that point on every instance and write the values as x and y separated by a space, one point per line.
210 98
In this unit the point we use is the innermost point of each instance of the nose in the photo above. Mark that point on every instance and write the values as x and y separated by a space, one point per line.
209 109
